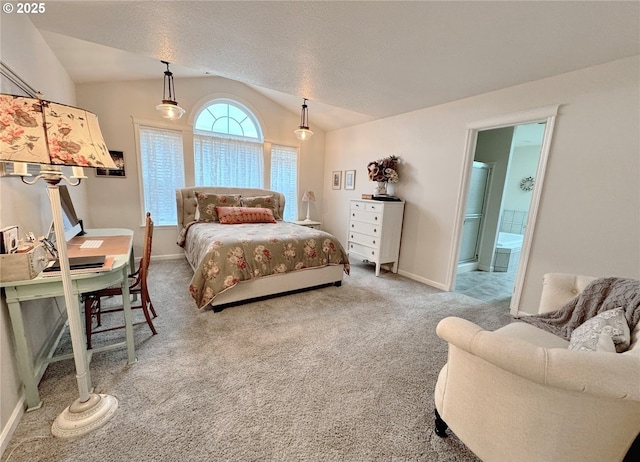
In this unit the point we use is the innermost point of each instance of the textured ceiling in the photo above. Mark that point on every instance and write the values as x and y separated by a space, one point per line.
356 61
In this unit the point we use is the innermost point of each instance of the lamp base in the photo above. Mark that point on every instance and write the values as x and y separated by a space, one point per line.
81 418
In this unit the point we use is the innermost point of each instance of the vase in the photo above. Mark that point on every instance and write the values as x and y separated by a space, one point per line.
391 189
381 189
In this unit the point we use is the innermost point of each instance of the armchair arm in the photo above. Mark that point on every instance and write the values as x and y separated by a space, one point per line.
602 374
558 289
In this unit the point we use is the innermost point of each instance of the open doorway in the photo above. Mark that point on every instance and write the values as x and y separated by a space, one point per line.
497 208
511 147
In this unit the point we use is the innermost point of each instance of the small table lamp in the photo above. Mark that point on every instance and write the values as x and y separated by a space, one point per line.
42 132
308 197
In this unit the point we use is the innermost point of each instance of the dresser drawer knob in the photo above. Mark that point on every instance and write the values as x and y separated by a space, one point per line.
375 218
353 226
373 253
375 230
353 214
374 242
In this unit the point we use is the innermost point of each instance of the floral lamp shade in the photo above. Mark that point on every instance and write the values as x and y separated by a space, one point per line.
42 132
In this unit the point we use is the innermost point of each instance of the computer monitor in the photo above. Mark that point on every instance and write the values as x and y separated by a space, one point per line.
72 225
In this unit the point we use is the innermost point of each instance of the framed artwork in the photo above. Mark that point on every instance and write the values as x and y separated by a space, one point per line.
118 159
337 179
349 179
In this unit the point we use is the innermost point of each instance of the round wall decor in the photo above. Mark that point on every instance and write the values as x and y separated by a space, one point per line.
527 183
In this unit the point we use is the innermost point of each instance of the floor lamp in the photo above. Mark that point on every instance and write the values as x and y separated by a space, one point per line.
52 134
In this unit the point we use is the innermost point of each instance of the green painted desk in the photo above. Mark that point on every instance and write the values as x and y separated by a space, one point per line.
119 242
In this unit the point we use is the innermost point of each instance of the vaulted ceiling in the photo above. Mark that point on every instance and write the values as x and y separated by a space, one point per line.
355 61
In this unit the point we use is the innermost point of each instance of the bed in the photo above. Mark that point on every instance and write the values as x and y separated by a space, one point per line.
239 262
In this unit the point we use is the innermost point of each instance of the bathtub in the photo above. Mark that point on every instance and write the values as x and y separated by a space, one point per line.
507 252
509 241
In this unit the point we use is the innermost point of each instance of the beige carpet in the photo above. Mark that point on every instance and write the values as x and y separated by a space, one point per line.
344 374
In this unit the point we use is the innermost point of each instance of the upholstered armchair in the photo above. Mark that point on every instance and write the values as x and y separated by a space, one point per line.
518 393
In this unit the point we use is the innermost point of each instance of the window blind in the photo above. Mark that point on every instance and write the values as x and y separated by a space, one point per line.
284 177
221 161
162 166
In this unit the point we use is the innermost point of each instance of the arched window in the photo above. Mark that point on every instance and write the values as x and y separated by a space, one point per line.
227 117
228 149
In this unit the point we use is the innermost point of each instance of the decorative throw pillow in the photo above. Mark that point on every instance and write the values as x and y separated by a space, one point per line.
238 215
207 204
592 334
268 202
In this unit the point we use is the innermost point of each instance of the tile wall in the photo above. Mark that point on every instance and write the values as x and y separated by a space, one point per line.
513 221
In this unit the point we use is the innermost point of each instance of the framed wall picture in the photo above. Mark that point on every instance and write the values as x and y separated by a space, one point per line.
337 180
349 179
118 159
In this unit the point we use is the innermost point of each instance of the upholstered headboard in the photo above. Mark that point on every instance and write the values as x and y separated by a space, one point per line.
186 199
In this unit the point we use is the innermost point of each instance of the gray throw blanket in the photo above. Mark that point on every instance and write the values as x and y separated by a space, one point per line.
601 295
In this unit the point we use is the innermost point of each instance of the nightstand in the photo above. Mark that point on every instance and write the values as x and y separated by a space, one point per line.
310 224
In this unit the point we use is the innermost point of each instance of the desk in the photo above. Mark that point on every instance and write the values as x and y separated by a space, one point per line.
118 241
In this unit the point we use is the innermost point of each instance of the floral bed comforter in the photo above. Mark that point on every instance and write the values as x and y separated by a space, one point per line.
223 255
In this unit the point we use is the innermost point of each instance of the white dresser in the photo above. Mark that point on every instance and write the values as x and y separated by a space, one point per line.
375 228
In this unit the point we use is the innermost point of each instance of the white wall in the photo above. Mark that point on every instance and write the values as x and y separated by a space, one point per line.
23 49
524 163
115 202
493 147
589 217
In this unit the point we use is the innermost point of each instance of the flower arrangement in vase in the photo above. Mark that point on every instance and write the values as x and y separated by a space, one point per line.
384 171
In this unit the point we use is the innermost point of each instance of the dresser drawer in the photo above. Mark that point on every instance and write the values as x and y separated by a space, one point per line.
367 217
364 239
365 228
366 206
362 250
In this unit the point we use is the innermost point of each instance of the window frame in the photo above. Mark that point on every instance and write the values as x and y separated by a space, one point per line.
186 133
238 105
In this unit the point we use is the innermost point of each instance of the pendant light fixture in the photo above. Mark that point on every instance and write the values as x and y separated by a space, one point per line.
169 107
303 132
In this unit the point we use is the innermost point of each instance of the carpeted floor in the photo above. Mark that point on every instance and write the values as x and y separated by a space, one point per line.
344 374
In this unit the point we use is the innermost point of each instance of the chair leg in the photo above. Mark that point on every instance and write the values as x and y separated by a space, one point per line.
440 426
145 296
145 304
153 311
88 301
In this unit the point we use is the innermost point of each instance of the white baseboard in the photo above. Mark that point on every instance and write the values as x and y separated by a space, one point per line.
426 281
10 428
175 256
466 267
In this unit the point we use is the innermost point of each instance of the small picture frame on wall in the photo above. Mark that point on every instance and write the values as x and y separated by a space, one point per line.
118 159
349 179
337 180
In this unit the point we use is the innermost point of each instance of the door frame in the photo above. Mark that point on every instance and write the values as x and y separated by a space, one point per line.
547 115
